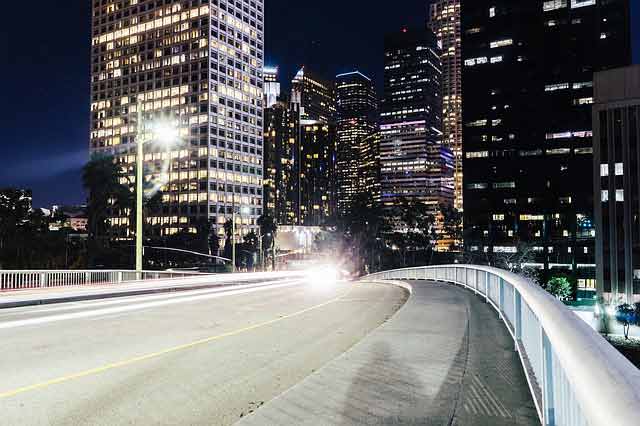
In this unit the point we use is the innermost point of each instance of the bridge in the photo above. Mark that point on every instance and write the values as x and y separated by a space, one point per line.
452 345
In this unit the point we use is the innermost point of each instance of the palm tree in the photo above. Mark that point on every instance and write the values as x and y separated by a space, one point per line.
101 177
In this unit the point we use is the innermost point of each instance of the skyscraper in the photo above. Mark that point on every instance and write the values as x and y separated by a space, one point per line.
196 66
271 86
411 122
315 96
616 148
527 84
357 146
281 170
313 100
317 175
445 23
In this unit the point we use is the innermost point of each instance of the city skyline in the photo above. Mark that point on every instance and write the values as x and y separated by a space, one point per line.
56 150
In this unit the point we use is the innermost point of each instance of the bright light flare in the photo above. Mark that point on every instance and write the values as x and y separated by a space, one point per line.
323 276
165 133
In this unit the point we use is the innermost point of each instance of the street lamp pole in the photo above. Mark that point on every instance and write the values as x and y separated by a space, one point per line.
233 234
139 188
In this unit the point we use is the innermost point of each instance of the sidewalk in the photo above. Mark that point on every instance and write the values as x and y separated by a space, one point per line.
444 358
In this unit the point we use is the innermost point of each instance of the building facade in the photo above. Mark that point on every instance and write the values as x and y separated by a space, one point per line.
616 161
300 151
313 100
411 121
357 142
271 86
280 166
318 175
314 95
197 67
527 142
444 21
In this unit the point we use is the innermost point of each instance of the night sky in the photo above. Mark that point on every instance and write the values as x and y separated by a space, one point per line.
45 74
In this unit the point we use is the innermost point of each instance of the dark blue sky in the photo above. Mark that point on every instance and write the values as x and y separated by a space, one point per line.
45 96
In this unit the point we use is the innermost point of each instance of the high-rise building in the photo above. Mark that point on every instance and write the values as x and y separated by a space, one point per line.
317 176
357 146
280 165
196 66
527 83
616 152
315 96
271 86
313 100
411 122
444 21
300 151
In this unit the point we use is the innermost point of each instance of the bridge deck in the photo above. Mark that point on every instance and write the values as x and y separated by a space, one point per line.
443 359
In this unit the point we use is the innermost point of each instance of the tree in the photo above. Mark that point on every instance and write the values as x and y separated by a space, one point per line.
451 226
518 261
560 287
228 231
102 178
15 207
363 227
417 227
628 315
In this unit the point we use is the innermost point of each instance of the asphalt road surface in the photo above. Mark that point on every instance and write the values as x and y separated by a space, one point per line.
204 357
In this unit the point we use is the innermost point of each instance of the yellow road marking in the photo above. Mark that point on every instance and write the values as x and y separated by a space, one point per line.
137 359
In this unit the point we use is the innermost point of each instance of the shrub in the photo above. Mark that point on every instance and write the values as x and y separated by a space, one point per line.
560 287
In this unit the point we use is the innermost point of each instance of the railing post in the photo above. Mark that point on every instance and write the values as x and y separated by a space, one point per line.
486 286
501 296
517 315
119 277
475 281
43 279
547 381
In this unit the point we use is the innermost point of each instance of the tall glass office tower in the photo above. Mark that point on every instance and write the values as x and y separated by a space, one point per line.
528 91
414 163
194 66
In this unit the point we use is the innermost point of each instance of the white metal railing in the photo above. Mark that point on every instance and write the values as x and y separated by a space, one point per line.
575 376
22 280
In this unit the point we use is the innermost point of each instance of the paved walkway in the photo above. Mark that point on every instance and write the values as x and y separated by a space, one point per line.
444 359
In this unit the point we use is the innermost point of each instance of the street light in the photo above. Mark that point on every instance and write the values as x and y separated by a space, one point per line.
167 134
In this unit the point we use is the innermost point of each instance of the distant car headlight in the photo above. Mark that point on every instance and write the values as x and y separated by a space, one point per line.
323 276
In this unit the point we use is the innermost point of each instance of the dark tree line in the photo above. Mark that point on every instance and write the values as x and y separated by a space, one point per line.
26 240
405 235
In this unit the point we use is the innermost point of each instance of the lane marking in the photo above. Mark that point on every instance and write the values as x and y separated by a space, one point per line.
140 306
158 354
131 299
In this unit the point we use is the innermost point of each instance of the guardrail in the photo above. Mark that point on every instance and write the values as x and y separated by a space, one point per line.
22 280
575 376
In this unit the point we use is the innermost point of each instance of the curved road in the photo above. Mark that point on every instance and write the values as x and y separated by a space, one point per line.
197 357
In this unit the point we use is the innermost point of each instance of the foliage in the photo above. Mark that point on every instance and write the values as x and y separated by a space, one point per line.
363 229
268 231
451 226
628 315
26 242
102 178
560 287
